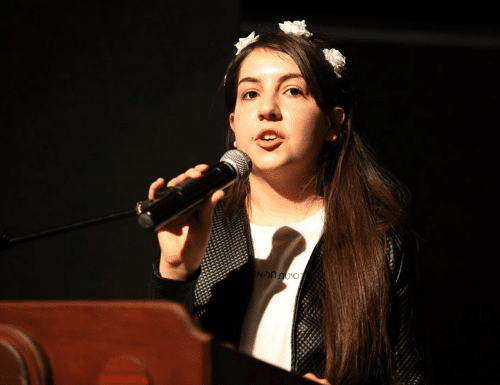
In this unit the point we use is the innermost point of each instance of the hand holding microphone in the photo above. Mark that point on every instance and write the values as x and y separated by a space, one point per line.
183 215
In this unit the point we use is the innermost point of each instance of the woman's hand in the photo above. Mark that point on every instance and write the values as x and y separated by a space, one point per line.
312 377
184 240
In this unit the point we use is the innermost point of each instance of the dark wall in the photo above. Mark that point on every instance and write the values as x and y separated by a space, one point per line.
98 100
431 112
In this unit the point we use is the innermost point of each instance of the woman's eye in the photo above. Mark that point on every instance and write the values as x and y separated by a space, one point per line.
294 91
249 95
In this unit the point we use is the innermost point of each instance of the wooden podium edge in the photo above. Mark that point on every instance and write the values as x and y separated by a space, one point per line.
21 315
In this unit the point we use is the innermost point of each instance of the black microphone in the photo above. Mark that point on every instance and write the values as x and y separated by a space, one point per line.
234 166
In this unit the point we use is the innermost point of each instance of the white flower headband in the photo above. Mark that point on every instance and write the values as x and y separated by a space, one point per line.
298 28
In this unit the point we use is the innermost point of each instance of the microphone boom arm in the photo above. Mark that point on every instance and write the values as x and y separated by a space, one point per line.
7 241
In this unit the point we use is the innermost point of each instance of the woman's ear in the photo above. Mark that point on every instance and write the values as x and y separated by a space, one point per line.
231 124
337 118
231 120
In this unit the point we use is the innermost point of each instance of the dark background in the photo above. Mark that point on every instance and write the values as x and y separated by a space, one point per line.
101 98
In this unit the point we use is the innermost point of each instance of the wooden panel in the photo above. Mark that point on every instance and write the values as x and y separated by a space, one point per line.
105 342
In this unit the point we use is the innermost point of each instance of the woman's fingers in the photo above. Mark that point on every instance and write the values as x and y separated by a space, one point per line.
207 210
204 212
312 377
217 196
193 173
157 184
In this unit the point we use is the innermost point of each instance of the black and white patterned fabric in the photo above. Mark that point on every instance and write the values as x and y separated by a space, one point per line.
219 293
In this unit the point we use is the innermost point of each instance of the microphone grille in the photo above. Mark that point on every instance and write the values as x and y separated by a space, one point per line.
240 161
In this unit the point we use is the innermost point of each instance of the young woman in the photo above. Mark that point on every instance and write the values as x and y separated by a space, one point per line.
307 264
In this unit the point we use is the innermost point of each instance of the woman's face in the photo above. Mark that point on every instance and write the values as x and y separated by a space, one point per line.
276 120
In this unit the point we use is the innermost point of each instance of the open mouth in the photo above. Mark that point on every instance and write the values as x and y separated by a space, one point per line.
269 135
269 139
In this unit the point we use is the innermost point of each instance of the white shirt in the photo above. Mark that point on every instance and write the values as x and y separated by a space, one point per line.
281 255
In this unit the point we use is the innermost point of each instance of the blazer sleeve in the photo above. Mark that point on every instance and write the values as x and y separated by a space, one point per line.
173 290
407 362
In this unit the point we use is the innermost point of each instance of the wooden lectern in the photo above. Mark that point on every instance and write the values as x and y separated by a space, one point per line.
119 342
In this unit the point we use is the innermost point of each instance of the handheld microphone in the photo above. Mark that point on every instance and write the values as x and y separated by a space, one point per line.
234 166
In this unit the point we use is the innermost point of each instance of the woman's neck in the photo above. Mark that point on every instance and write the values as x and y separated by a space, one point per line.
282 201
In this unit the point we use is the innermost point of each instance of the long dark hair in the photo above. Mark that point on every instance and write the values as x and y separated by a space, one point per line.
364 203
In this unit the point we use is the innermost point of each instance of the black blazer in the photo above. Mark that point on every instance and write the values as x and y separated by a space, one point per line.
219 292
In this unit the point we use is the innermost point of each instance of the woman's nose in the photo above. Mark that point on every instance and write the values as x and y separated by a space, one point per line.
269 109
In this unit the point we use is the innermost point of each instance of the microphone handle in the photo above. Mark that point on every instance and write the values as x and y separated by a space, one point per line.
183 197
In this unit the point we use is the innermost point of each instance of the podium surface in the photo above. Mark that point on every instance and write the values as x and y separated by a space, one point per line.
119 342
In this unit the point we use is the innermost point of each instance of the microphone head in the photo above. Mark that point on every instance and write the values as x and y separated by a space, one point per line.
240 161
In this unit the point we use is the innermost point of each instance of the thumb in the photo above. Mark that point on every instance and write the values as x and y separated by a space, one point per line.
206 211
312 377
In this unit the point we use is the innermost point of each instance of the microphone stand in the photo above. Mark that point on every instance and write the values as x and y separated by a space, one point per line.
7 241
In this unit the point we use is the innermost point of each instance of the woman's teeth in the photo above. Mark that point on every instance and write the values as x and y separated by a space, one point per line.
269 137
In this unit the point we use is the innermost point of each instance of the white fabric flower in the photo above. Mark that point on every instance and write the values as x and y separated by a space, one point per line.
244 41
336 59
296 28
